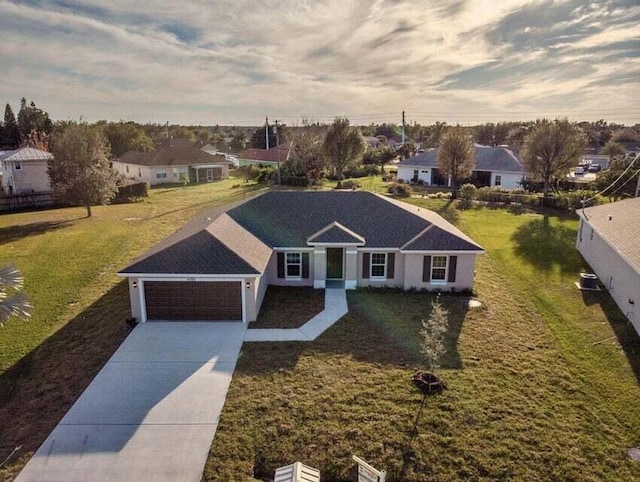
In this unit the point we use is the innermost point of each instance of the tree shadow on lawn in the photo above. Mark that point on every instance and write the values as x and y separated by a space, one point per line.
16 232
546 247
625 333
38 390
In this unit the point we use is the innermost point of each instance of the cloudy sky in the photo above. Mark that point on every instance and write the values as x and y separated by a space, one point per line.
237 61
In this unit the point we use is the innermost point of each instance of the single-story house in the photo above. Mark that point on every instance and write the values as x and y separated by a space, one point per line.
24 171
218 267
494 166
231 159
264 157
172 164
609 240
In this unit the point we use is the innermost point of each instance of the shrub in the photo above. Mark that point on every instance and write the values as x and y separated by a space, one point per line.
468 192
132 192
401 190
349 184
294 181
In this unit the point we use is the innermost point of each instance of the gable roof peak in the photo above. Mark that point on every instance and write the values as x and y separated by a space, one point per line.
335 232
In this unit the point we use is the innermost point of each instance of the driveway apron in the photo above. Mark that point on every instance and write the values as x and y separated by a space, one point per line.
150 413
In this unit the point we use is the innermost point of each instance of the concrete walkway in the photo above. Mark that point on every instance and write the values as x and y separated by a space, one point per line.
335 307
150 413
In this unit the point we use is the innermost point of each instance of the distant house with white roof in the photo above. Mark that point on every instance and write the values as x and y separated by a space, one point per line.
24 171
494 166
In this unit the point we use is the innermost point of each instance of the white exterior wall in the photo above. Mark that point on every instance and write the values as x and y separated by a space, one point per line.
510 180
617 275
465 271
32 177
406 173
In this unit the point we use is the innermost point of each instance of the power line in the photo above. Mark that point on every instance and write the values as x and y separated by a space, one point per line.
614 182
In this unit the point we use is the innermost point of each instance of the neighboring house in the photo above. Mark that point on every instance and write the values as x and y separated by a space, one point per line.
264 157
494 166
601 160
172 164
24 171
218 267
231 159
609 240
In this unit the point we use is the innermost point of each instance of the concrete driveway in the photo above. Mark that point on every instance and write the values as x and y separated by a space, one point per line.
150 413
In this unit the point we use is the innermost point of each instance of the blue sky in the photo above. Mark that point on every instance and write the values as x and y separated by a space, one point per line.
237 61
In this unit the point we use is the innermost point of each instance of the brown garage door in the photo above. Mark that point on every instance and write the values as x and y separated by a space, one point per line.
184 300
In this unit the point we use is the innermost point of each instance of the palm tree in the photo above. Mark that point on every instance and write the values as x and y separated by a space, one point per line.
13 301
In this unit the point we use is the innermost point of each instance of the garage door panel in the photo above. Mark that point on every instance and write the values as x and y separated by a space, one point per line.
186 300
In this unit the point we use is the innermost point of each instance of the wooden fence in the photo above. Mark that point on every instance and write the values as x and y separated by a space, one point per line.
25 201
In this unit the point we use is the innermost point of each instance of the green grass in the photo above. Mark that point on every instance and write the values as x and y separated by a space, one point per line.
530 396
80 306
289 307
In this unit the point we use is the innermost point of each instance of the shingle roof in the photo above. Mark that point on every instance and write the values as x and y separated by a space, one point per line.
619 224
240 241
200 253
335 233
280 153
486 159
172 156
25 154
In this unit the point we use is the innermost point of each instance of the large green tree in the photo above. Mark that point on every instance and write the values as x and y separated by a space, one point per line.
10 138
127 136
80 171
343 146
456 155
34 124
306 156
551 150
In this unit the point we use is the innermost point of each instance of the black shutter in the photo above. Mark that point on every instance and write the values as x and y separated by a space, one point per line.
366 263
426 269
280 265
305 265
391 265
453 264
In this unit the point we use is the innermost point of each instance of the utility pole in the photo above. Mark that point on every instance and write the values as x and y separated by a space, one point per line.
403 136
266 132
168 136
275 131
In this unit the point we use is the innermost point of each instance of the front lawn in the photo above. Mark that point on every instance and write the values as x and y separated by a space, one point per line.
289 307
543 382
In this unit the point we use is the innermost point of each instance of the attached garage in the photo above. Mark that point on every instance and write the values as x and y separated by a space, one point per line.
193 300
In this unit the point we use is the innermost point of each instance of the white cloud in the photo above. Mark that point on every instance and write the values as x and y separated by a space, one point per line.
236 61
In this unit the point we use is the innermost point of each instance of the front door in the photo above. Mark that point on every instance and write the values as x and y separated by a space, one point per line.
335 258
209 175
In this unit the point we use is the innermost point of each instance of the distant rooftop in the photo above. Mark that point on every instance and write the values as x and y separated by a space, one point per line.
25 154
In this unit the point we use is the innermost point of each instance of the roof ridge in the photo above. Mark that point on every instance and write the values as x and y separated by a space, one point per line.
417 236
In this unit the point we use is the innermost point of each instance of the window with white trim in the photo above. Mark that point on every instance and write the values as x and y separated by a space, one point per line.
17 165
378 265
161 175
498 180
293 265
439 268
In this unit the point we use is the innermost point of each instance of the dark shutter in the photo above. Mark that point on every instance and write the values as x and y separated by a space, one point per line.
366 264
453 264
280 265
426 269
391 264
305 265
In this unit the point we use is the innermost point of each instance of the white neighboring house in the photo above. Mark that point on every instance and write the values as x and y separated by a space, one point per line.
494 166
24 171
171 165
609 240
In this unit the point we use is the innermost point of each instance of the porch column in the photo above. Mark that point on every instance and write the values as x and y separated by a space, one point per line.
351 268
319 267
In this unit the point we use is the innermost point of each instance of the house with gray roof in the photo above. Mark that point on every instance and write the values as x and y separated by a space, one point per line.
609 240
218 266
24 171
494 166
171 165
